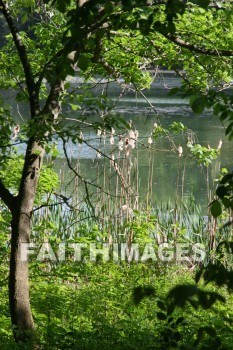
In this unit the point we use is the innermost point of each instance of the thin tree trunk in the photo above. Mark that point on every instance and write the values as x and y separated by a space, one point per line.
19 300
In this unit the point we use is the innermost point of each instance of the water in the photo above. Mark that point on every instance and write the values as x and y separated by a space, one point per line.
168 169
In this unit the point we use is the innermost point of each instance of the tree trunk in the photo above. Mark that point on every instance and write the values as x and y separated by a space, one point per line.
20 309
19 299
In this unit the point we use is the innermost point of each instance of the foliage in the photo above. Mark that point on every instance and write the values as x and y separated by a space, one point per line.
117 41
11 173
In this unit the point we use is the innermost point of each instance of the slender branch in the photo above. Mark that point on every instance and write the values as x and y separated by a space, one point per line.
22 52
194 47
78 175
6 196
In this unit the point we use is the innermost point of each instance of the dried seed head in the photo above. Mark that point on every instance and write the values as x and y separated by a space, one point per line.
120 145
219 145
150 141
180 151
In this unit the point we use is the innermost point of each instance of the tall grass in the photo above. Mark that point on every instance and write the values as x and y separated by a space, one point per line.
109 205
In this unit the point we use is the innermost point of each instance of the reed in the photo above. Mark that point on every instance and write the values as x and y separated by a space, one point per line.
109 206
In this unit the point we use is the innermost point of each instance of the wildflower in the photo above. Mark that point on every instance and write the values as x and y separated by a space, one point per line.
136 133
155 125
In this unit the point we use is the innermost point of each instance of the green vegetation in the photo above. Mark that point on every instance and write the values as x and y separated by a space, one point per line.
165 275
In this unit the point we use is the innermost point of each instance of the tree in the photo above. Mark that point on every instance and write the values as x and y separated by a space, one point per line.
111 38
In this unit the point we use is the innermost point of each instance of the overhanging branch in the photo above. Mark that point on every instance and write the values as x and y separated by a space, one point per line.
195 48
22 52
6 196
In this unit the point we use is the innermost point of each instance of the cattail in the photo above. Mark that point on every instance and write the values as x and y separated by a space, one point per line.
131 134
127 152
219 145
112 160
126 210
120 145
180 151
150 141
111 140
131 144
189 142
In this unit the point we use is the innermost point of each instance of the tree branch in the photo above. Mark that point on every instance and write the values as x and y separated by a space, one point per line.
22 52
193 47
6 196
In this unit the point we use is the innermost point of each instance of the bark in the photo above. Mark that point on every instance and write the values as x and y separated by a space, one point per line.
195 48
19 299
21 206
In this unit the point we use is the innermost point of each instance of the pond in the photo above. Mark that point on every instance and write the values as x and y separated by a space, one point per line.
159 171
168 175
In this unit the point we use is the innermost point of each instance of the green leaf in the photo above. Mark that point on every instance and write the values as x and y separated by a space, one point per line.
198 103
161 316
215 208
226 202
221 191
83 62
229 129
161 305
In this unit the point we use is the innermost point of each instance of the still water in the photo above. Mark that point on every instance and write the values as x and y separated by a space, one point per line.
168 169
